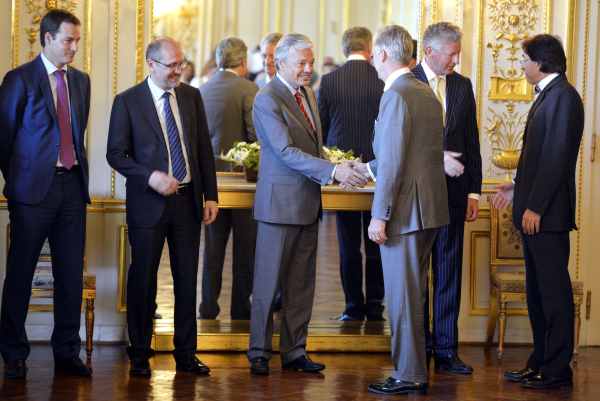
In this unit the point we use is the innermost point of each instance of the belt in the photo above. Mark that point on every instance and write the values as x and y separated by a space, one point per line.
184 188
64 170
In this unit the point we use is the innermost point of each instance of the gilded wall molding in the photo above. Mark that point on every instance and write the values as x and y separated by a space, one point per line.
140 35
15 19
115 76
571 40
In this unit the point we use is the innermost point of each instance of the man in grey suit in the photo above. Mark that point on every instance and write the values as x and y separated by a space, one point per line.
228 98
267 51
409 204
287 206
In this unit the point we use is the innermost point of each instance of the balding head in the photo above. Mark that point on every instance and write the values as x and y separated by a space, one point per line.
165 61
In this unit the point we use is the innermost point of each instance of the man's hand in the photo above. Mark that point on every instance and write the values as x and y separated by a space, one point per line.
504 196
531 222
377 231
211 209
163 183
452 166
472 209
348 177
360 168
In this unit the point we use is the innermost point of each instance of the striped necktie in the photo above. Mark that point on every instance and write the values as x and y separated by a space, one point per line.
177 160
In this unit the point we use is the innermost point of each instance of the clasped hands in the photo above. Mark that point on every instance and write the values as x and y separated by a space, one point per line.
352 174
167 185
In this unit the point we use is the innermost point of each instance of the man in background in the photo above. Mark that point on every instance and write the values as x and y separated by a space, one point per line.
348 104
228 98
267 50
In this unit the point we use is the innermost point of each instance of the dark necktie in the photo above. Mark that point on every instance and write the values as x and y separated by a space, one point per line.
536 89
298 97
66 155
177 160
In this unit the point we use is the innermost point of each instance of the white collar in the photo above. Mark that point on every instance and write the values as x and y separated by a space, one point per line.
290 87
393 76
356 57
229 70
429 72
546 81
50 68
157 92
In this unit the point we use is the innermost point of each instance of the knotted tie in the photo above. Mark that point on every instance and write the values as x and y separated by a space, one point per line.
439 88
298 97
66 153
177 160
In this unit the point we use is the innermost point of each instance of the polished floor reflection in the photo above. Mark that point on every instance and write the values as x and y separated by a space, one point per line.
329 297
346 378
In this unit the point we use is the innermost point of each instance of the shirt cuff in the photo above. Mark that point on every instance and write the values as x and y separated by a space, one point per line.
474 196
371 173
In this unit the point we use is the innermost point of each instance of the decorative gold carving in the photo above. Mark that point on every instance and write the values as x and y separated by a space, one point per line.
505 133
510 89
571 40
140 14
115 76
14 34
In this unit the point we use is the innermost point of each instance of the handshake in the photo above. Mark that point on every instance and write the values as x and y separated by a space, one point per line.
352 174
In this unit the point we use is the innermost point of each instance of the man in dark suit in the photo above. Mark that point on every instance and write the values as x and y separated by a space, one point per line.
158 139
348 104
287 206
544 211
228 98
462 163
44 108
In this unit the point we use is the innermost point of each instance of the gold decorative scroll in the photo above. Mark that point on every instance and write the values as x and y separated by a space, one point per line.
515 89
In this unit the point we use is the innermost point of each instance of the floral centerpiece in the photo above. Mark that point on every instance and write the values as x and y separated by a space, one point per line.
246 155
336 156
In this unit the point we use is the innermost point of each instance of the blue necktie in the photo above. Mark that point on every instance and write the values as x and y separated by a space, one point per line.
177 160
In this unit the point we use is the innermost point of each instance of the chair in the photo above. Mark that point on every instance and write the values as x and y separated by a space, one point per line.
507 278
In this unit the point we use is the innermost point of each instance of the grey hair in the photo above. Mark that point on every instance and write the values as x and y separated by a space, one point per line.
397 43
271 39
154 49
356 39
230 53
295 41
441 33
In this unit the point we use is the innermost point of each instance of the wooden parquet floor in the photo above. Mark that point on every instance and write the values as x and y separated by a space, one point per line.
346 378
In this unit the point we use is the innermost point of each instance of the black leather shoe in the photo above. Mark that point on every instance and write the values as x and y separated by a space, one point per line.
304 364
375 317
542 382
518 376
452 364
16 369
344 317
140 367
72 367
193 365
393 386
259 366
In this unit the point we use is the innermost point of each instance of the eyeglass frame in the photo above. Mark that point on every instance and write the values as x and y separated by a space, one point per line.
172 66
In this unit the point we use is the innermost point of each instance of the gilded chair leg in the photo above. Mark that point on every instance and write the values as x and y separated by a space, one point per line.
89 330
577 330
502 330
492 318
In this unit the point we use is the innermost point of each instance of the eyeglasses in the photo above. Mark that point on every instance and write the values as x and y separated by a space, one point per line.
172 66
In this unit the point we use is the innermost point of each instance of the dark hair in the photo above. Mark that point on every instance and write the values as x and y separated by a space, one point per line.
414 54
547 51
52 20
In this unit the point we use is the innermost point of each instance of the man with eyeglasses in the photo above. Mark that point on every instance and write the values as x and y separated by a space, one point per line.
158 140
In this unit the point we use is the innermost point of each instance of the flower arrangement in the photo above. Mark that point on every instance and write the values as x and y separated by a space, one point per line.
336 156
243 154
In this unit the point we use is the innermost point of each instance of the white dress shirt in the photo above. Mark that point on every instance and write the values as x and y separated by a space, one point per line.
159 103
356 57
545 82
431 77
51 69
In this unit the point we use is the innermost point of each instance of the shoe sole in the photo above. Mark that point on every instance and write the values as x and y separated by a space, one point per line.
303 370
374 391
453 372
554 386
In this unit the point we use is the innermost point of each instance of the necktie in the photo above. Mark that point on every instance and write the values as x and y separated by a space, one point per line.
536 89
439 88
298 97
66 154
177 160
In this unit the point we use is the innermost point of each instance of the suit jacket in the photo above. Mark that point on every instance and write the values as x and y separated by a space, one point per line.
228 102
545 179
136 147
460 135
410 191
29 131
348 104
291 169
261 80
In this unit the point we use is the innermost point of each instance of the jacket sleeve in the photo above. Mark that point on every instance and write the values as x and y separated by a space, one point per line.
13 97
473 152
392 137
205 154
273 132
560 142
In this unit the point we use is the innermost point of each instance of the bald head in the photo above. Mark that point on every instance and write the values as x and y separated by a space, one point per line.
165 60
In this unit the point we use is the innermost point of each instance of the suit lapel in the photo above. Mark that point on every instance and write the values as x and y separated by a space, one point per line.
44 81
75 105
312 104
149 111
453 97
536 104
184 115
291 104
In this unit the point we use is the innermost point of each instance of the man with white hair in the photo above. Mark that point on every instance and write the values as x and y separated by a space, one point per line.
287 206
409 203
267 51
462 163
228 98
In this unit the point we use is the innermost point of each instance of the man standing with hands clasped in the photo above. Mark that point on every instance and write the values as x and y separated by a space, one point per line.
543 196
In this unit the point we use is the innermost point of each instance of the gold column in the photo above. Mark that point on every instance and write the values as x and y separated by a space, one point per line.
14 32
